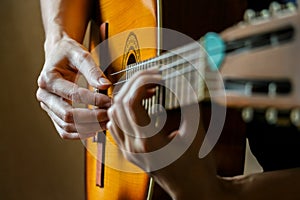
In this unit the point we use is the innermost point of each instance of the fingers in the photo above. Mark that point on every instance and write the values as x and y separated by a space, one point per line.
57 82
120 120
83 61
67 113
128 116
128 113
70 121
139 90
74 130
139 75
73 92
71 136
61 70
130 97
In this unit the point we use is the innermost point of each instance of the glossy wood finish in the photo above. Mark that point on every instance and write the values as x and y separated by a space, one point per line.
121 16
193 18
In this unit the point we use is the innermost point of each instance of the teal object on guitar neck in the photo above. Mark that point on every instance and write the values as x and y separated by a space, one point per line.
215 49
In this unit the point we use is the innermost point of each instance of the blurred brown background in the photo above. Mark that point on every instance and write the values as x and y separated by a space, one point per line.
35 163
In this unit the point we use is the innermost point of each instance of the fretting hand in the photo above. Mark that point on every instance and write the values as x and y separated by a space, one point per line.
168 154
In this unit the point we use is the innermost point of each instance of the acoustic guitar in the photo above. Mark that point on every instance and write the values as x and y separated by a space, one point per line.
126 48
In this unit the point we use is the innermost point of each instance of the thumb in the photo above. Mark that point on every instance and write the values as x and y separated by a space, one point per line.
85 64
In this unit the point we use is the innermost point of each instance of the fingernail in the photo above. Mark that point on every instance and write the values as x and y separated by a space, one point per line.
104 81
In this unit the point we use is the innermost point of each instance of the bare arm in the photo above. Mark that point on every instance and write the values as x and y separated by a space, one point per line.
65 22
65 17
282 184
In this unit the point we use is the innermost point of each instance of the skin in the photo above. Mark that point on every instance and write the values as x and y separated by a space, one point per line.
65 57
186 178
189 177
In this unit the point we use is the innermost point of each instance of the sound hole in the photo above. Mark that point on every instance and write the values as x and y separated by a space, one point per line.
131 59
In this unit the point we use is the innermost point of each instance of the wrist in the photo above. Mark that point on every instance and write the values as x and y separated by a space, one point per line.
53 38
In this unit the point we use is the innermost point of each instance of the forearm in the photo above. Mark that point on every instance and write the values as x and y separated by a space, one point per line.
200 182
62 17
284 184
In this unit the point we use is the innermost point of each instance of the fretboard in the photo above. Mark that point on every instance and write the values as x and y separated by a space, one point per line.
183 72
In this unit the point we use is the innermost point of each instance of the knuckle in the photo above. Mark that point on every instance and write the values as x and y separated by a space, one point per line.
141 82
104 125
117 100
82 56
125 101
113 112
141 73
39 95
128 102
42 83
74 95
93 70
102 115
97 99
67 127
43 106
45 80
68 116
64 135
85 55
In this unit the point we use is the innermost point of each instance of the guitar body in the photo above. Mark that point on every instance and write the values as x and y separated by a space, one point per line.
119 179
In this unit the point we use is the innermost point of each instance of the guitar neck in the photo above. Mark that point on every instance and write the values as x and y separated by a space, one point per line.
183 72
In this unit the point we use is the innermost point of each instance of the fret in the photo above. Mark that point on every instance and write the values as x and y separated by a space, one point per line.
184 94
153 98
183 72
150 102
174 70
187 94
201 67
167 87
149 105
183 91
189 77
176 87
157 97
170 86
162 96
182 82
146 104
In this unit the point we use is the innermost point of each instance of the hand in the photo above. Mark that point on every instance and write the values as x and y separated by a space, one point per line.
65 59
169 153
129 121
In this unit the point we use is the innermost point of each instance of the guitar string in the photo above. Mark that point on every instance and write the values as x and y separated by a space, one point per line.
211 78
173 65
197 53
190 47
195 47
